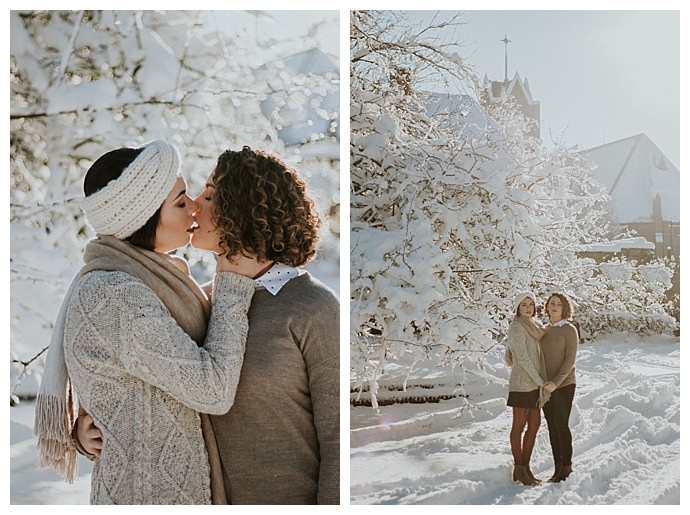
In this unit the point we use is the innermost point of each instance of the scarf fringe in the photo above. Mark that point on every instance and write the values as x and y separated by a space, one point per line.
55 445
55 411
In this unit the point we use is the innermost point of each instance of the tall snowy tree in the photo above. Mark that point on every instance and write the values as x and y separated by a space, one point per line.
400 273
454 206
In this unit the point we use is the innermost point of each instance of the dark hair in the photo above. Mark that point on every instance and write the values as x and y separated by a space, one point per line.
517 308
261 207
109 167
565 302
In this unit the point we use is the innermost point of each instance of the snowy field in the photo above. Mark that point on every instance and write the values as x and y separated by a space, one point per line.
626 438
626 427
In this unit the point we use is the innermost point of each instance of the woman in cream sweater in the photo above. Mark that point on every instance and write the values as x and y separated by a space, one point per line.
527 385
138 343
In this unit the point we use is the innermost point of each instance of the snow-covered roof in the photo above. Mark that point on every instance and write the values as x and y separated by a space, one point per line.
461 112
635 171
618 245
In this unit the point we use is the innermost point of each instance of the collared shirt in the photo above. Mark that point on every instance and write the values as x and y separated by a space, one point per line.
560 323
277 276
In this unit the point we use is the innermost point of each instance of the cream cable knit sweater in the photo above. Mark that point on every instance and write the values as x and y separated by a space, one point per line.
525 373
144 380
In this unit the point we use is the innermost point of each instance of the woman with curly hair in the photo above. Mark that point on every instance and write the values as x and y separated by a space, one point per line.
559 346
279 444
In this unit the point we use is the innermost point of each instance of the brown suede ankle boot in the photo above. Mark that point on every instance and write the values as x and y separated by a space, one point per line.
521 476
556 472
531 475
563 473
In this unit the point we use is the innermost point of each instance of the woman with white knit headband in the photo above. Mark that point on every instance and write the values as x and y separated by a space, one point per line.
528 388
138 343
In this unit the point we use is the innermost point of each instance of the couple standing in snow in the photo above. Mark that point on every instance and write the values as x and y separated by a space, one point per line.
542 377
226 393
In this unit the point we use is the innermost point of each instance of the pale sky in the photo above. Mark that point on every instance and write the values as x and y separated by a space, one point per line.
599 76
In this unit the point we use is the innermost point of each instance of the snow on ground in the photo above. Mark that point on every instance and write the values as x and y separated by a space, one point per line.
626 437
28 485
626 428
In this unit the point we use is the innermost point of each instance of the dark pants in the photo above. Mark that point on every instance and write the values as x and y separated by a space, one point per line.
557 415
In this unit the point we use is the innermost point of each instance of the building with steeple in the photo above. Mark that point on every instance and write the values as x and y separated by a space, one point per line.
643 183
498 91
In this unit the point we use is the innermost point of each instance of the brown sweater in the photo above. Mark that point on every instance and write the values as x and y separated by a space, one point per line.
279 444
559 346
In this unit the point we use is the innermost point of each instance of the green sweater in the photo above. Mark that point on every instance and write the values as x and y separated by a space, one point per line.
559 346
279 443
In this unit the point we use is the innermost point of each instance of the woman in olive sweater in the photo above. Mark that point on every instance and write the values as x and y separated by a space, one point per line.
280 442
559 347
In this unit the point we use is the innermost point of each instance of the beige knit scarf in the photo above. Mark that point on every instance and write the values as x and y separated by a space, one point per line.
533 328
170 279
536 331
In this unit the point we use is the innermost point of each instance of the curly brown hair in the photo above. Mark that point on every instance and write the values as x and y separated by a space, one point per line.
565 302
262 208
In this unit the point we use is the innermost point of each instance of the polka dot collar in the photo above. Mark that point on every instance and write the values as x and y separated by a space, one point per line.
277 276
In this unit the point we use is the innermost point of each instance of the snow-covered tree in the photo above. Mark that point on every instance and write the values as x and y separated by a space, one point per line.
84 82
454 206
399 272
622 296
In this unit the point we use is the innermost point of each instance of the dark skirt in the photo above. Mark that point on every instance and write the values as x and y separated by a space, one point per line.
523 399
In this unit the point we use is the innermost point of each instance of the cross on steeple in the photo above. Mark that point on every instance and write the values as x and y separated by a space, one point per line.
505 40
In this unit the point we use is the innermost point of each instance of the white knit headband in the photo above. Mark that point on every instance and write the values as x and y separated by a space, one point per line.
126 203
522 296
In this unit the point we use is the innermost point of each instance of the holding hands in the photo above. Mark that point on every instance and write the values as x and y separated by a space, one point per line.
549 386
